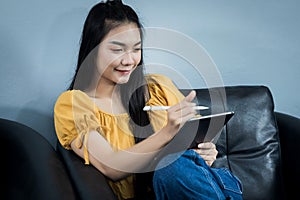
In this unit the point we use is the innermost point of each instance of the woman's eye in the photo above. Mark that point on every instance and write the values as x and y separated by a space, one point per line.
117 50
137 49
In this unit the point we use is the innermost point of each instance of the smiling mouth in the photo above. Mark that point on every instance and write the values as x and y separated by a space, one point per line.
123 71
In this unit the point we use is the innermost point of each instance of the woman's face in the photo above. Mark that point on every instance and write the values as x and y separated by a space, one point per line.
119 54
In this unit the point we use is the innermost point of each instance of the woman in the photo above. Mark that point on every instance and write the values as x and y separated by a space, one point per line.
101 116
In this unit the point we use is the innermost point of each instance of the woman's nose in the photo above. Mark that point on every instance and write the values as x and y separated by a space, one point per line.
128 59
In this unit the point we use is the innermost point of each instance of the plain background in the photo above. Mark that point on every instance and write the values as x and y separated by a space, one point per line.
251 42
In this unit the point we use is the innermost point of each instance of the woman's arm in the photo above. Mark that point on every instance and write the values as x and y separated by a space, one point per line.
119 164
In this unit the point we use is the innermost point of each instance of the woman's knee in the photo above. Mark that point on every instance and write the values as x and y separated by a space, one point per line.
184 178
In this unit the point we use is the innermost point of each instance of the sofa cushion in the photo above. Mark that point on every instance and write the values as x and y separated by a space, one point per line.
89 183
249 144
289 134
30 167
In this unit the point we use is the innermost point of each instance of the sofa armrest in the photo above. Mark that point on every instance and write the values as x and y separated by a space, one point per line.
289 134
30 167
89 183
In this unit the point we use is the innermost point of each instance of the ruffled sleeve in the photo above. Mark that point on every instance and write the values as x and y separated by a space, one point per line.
162 92
74 118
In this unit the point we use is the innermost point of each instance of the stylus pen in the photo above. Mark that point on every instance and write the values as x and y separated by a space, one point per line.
147 108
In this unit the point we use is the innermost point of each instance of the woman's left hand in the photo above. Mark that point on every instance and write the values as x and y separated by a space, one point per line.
207 151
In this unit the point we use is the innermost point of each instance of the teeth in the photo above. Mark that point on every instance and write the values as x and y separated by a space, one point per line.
123 70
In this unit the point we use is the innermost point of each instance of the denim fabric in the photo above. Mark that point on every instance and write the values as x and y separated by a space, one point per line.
189 178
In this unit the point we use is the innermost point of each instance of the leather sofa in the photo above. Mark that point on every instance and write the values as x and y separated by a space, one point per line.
258 144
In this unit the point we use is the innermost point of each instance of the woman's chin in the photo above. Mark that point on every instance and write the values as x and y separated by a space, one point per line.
123 80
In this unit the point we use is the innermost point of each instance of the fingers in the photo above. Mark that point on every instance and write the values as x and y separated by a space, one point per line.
209 162
207 149
186 106
207 145
190 97
182 112
208 158
208 152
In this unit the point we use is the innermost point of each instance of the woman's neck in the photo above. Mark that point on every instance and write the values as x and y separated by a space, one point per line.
104 90
107 97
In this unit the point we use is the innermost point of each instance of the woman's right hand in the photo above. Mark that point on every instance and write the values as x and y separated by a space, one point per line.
181 113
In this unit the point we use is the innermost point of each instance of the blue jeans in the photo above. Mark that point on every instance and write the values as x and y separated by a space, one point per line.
188 177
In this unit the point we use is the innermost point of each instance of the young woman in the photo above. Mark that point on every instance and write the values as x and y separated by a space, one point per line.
101 116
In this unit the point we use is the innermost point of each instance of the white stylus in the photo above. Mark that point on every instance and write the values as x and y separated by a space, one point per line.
147 108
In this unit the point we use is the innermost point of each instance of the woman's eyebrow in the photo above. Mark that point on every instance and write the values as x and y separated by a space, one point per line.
138 43
123 44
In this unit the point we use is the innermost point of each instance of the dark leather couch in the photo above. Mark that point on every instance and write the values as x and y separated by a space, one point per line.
258 145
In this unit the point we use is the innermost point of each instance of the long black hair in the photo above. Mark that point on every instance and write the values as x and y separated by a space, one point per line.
102 18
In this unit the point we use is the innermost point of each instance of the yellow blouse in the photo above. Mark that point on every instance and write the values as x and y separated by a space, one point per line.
75 115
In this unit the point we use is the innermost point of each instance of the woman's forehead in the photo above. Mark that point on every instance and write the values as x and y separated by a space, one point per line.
127 34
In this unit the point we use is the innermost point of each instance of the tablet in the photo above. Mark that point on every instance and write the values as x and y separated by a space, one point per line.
208 127
204 128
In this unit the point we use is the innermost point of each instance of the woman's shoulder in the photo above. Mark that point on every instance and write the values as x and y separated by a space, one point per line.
157 78
162 87
71 96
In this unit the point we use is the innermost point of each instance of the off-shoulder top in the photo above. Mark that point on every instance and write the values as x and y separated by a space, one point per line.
76 114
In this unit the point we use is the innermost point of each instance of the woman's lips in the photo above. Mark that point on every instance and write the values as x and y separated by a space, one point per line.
123 71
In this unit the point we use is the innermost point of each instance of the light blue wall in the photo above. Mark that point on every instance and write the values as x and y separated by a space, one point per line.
252 42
